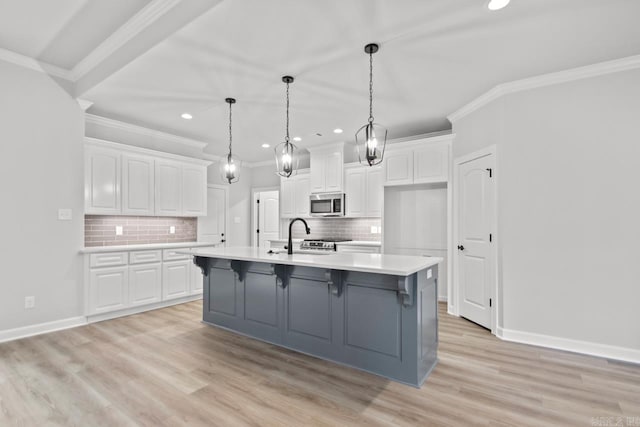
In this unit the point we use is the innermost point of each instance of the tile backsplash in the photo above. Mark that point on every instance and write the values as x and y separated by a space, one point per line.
100 230
343 228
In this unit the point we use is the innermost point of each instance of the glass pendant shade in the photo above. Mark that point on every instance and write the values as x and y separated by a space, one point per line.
287 156
287 159
230 165
371 139
230 169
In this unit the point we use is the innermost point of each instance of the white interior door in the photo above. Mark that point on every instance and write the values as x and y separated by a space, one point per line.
212 228
475 263
268 217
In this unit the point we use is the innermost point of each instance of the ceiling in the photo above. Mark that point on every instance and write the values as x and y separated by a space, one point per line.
61 32
435 56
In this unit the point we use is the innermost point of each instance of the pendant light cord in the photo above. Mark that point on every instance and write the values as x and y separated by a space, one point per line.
370 87
287 134
230 134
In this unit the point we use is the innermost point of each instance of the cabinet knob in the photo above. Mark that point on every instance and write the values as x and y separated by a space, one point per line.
460 247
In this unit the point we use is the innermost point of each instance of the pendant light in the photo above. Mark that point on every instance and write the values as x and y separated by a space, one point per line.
230 167
371 139
287 157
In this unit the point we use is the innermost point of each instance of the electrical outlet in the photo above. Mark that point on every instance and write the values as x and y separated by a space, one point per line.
65 214
118 230
29 302
172 229
374 229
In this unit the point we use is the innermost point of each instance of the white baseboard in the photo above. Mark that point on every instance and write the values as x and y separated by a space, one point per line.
566 344
41 328
141 309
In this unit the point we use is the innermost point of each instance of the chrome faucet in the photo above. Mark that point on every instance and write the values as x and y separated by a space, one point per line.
290 243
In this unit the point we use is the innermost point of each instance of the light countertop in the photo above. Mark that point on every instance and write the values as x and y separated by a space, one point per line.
147 246
349 243
398 265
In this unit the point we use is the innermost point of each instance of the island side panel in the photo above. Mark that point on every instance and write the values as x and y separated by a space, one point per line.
427 306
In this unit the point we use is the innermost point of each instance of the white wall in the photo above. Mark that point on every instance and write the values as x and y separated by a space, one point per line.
265 176
569 206
41 170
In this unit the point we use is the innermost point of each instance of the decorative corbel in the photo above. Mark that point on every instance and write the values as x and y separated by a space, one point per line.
334 280
240 268
405 290
280 271
203 263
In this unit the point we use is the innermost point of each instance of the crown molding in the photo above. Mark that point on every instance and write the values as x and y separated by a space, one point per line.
134 26
140 130
97 142
84 103
34 64
588 71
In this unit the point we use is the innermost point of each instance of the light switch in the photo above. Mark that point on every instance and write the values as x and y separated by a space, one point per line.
172 229
65 214
236 220
118 230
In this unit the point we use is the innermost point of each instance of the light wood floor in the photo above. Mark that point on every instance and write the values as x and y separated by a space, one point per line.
165 368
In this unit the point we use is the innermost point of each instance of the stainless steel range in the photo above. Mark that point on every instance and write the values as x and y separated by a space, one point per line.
321 244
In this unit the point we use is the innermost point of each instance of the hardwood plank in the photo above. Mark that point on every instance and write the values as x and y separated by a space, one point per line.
166 368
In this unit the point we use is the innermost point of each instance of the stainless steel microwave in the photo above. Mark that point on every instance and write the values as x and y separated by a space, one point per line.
326 204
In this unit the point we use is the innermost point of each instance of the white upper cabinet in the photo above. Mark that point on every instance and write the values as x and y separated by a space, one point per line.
138 185
194 190
126 180
327 168
375 190
422 161
102 185
294 195
431 164
355 191
398 167
301 194
168 188
363 191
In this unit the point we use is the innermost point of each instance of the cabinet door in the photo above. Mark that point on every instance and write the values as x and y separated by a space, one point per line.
301 191
168 188
431 164
195 279
145 284
102 184
398 168
175 279
355 191
317 172
108 289
333 171
374 193
138 185
194 190
287 197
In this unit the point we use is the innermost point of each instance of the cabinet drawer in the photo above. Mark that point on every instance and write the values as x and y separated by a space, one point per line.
108 259
358 249
172 254
141 257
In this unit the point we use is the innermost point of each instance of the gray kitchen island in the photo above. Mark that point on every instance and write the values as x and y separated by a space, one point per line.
374 312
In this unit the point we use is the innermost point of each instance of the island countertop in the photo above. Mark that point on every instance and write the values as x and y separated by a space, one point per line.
398 265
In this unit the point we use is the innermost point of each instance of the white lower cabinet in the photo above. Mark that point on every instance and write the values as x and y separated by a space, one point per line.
175 279
138 279
108 289
145 284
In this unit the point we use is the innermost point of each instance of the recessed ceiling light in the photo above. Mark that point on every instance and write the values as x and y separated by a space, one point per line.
497 4
337 130
186 116
297 139
265 146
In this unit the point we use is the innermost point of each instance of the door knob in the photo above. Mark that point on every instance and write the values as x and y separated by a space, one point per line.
460 247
